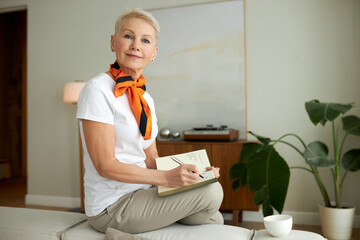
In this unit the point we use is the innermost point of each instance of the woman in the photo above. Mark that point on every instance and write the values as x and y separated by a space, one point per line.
119 127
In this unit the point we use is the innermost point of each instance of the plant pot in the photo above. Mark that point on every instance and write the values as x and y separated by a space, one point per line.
337 223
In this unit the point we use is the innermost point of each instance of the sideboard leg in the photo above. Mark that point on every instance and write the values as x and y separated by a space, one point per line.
240 216
237 217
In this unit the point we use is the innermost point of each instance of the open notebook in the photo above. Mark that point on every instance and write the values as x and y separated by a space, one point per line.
199 158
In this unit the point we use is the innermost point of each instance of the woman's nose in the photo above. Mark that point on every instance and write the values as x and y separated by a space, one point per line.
135 45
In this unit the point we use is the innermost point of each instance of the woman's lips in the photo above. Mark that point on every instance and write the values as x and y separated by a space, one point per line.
132 56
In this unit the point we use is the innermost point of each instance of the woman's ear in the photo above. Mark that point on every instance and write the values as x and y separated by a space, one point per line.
112 43
154 55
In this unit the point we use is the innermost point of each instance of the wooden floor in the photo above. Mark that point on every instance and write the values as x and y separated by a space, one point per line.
12 194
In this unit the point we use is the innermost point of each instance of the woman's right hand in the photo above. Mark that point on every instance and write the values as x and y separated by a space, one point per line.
183 175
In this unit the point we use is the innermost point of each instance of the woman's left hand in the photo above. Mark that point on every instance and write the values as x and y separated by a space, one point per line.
215 169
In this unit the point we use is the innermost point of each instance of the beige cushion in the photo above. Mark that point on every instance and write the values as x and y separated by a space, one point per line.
206 231
293 235
83 232
173 232
23 223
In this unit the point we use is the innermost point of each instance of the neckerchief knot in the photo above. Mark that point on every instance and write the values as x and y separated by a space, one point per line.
136 89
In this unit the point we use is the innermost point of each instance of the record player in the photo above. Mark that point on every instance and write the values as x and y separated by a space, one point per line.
211 133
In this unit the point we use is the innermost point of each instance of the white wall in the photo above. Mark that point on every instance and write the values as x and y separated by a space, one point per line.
296 51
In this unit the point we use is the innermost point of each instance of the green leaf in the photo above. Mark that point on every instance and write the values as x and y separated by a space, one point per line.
316 154
351 125
268 170
267 209
247 150
259 196
239 171
323 112
235 184
264 140
351 160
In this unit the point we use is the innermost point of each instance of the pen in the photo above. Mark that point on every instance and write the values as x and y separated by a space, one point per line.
180 163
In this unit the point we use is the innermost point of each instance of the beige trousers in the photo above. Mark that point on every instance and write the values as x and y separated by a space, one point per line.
143 210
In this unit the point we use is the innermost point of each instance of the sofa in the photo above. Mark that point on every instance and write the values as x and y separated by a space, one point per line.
34 224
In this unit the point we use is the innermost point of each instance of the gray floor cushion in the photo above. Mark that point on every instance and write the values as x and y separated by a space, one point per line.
24 223
173 232
34 224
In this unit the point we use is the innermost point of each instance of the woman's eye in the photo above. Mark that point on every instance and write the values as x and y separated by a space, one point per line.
146 41
127 36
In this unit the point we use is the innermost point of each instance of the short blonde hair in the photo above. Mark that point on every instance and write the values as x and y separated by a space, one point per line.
140 14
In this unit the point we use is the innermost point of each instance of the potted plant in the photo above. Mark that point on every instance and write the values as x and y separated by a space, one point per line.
266 172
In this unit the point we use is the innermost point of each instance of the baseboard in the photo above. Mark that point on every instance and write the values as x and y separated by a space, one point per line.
52 201
301 218
306 218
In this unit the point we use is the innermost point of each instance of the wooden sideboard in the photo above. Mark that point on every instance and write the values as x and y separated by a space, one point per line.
222 155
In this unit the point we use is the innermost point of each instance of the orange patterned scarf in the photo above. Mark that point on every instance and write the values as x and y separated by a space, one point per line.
136 89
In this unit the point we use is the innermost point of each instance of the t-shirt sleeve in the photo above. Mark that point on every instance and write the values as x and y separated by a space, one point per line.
95 104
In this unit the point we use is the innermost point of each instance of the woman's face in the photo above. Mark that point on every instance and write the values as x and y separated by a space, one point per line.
134 45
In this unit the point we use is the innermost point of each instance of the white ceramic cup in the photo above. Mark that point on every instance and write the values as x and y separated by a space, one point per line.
278 225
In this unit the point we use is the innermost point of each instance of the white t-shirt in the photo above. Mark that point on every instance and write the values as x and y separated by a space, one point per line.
97 102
